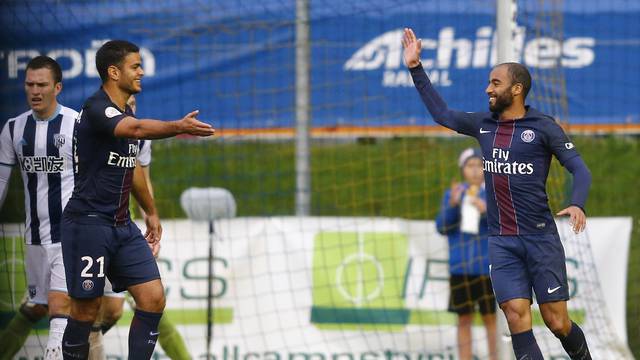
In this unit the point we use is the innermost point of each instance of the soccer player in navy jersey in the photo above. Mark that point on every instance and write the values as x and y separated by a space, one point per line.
525 251
98 237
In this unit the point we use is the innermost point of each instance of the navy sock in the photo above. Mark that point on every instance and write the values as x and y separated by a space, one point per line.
575 343
525 346
143 334
75 341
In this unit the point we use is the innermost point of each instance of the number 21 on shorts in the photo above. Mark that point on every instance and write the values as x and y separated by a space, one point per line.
86 272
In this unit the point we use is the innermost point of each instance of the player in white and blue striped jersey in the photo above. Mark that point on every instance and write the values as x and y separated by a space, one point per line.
39 143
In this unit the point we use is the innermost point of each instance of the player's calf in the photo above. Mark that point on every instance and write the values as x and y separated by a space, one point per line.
75 342
575 344
58 315
556 317
143 333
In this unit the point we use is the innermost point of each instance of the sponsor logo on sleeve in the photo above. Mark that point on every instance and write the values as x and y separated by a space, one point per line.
111 112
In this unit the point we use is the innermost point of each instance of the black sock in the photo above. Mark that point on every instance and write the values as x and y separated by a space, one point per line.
75 342
525 346
575 344
143 334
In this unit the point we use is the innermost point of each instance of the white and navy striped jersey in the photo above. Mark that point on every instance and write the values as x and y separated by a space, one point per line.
144 152
42 150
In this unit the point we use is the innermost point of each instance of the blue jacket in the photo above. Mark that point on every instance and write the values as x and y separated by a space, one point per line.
468 253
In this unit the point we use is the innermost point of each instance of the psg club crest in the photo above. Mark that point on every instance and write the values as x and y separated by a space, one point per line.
528 136
32 291
87 285
58 140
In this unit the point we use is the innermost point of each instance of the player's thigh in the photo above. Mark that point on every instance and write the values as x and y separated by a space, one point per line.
58 297
86 255
38 272
509 276
149 296
547 268
133 263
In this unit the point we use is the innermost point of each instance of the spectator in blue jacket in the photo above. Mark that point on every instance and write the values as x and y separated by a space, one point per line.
463 220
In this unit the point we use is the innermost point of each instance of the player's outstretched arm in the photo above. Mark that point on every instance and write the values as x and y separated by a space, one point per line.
133 128
455 120
581 185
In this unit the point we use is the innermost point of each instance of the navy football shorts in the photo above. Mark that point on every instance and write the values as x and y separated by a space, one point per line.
92 250
520 263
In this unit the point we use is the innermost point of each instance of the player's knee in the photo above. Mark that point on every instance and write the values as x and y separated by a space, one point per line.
33 312
558 325
161 302
85 310
113 315
515 314
59 303
154 301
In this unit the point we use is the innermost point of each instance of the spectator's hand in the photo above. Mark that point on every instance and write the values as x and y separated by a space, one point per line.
456 194
154 229
412 47
480 204
577 218
190 125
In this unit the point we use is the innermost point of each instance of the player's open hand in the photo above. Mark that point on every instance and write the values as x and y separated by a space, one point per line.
154 229
412 47
190 125
577 218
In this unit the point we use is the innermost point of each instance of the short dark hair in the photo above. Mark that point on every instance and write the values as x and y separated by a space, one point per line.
42 61
519 74
113 53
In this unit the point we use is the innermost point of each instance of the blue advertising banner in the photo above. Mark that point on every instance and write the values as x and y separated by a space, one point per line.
235 60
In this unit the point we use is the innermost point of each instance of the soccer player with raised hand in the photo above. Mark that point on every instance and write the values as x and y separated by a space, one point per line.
525 251
98 237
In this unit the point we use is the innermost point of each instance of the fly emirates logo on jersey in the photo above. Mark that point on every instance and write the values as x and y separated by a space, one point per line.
115 159
448 52
500 164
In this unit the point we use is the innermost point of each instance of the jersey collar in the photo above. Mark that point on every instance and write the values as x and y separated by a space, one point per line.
53 116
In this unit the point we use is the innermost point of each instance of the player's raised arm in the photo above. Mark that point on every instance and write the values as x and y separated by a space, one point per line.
130 127
461 122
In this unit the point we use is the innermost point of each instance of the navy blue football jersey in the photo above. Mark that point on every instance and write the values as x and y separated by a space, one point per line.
103 163
516 155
